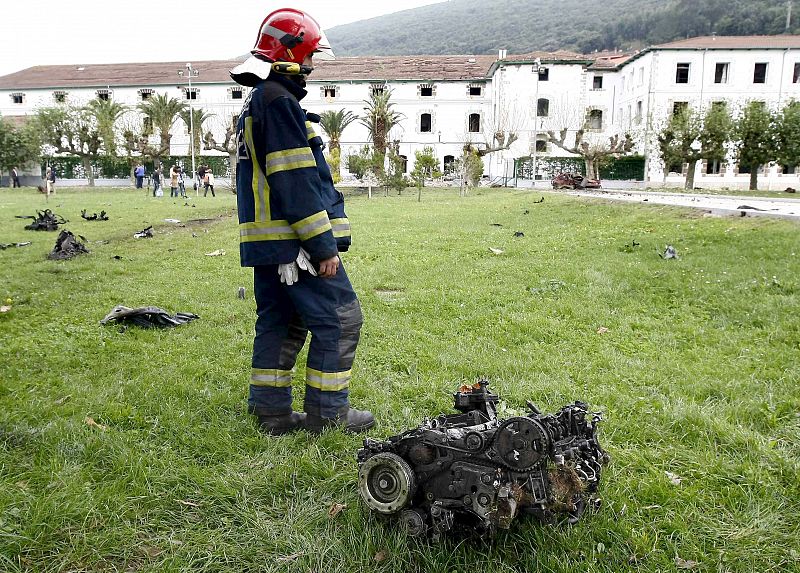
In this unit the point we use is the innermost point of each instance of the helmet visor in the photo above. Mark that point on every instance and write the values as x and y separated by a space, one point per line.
323 50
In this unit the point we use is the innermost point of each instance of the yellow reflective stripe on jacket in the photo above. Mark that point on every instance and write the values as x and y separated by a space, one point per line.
271 377
259 182
312 226
279 230
310 130
328 381
290 159
340 227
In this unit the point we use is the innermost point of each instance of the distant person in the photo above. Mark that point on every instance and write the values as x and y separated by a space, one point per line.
139 174
181 182
208 183
173 181
14 178
50 180
201 173
157 192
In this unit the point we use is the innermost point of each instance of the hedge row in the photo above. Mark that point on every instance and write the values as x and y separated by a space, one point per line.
121 168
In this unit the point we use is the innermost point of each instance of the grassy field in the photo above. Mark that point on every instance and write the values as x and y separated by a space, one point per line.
130 450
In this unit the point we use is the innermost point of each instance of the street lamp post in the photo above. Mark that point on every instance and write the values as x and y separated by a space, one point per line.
191 73
537 63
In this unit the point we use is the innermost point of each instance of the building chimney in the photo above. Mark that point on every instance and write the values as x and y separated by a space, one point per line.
502 54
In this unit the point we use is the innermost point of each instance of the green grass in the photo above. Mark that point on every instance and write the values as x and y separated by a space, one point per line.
697 375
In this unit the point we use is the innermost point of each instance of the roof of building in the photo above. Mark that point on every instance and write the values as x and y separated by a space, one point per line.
216 71
733 43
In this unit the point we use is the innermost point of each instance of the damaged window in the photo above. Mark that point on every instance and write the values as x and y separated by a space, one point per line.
682 73
721 73
760 73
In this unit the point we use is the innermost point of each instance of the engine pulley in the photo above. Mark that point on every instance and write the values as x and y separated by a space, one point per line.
386 483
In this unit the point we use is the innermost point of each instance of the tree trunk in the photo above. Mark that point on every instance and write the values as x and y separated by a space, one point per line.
589 164
87 166
133 175
232 161
689 184
754 178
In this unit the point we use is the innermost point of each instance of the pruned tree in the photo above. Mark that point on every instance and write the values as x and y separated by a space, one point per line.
379 119
160 113
425 164
18 146
71 130
787 130
498 132
755 140
227 145
333 123
393 175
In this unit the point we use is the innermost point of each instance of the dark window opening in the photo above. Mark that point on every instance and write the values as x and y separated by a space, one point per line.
679 107
682 73
449 163
17 98
542 107
796 75
330 91
788 169
236 94
426 91
474 90
595 120
60 98
145 95
377 90
544 74
190 94
541 146
474 123
714 167
404 163
675 168
425 122
597 83
721 73
760 73
104 96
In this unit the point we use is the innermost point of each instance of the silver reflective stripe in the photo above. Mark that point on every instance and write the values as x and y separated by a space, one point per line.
338 383
306 230
340 227
304 155
273 31
266 231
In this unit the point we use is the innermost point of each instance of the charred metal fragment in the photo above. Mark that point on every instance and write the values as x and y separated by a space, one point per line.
43 221
474 473
68 246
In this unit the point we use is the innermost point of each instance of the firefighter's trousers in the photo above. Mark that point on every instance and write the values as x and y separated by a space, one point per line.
329 309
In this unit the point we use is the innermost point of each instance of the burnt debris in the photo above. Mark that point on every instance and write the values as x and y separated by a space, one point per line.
43 221
68 246
148 317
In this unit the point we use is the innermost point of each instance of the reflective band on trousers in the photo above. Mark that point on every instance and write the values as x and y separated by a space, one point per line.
328 381
271 377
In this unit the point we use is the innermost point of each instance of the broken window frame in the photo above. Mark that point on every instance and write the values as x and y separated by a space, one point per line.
722 72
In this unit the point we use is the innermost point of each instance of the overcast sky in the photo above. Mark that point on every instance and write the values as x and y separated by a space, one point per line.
42 32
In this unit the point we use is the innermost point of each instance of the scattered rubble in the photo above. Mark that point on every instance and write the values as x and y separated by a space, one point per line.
68 246
44 221
148 317
94 217
146 233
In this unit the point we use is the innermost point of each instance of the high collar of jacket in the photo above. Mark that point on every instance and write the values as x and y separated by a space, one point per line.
289 84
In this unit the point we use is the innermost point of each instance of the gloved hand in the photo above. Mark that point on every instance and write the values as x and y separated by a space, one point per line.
290 272
304 262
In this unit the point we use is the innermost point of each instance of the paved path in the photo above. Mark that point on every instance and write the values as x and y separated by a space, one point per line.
717 204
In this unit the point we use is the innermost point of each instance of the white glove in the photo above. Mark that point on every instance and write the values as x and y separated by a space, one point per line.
304 262
288 273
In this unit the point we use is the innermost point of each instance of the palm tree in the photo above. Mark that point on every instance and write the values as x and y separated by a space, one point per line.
197 118
106 113
163 111
333 123
379 120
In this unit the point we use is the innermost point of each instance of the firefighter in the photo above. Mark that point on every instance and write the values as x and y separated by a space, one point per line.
292 227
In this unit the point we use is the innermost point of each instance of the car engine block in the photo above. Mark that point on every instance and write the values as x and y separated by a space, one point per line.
473 472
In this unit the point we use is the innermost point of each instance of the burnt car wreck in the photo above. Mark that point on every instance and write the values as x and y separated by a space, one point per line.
473 473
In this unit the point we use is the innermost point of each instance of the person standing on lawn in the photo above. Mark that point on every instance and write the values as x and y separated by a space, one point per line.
292 219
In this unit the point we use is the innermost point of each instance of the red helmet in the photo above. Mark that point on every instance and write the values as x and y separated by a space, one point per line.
289 35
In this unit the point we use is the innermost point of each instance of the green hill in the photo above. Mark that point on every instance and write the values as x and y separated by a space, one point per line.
478 26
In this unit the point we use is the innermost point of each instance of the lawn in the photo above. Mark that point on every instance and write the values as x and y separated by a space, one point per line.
130 450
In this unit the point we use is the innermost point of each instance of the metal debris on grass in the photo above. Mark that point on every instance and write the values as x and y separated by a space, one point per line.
241 293
43 221
496 251
217 253
519 234
146 233
147 317
4 246
68 246
94 216
669 253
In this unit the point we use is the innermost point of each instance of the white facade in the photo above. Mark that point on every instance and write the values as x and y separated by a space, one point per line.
524 94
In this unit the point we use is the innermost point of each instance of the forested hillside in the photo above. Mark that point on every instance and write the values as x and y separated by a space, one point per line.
478 26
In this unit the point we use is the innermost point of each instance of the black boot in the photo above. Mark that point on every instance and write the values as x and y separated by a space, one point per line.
278 425
349 419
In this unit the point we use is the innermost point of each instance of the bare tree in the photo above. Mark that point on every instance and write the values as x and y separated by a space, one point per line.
227 145
591 140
